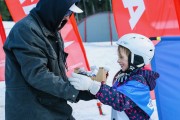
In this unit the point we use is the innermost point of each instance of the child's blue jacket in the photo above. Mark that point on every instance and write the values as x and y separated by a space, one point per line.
132 96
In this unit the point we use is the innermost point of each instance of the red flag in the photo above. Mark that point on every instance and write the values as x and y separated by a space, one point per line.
72 39
177 8
20 8
150 18
2 55
74 46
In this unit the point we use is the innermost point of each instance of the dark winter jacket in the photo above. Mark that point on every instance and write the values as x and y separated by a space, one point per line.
119 101
36 83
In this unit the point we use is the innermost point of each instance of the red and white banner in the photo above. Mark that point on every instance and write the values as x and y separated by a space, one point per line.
74 46
19 8
2 55
150 18
73 43
177 8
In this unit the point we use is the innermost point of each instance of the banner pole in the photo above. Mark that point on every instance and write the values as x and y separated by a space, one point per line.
2 31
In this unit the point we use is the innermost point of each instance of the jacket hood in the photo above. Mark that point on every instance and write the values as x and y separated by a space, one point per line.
52 12
150 77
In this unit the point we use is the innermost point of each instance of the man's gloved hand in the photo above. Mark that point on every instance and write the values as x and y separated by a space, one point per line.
85 95
81 82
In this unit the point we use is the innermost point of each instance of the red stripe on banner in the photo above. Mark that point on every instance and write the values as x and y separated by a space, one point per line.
177 8
19 8
2 55
74 47
155 18
15 9
73 22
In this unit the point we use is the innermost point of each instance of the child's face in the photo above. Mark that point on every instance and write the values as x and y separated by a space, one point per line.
123 59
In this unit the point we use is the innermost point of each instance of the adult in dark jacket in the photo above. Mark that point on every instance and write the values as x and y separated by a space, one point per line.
36 83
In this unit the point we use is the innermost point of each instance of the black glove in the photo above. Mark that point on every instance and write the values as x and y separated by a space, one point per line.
85 95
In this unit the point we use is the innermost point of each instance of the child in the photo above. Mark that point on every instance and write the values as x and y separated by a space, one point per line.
130 94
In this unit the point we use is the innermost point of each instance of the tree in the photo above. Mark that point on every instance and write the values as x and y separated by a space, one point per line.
91 7
4 11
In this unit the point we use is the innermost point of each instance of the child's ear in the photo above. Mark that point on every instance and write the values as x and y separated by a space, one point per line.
138 60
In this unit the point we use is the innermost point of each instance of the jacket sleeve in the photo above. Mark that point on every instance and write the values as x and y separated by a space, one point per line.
118 101
28 50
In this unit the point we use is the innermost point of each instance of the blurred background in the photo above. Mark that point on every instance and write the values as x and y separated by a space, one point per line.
96 23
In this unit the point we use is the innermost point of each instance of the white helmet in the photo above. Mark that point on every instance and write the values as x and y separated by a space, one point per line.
138 45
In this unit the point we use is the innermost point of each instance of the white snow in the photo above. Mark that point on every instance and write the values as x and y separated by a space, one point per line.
2 100
100 54
7 26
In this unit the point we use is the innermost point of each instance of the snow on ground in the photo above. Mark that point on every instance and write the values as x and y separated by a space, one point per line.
100 54
2 100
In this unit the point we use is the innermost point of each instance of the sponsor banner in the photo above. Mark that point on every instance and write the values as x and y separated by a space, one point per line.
20 8
150 18
74 47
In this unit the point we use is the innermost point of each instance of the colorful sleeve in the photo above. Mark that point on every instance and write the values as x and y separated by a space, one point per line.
118 101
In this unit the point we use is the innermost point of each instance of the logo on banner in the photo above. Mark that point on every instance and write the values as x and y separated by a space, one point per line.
27 5
22 1
136 9
66 44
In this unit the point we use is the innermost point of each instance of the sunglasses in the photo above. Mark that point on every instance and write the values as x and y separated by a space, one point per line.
69 12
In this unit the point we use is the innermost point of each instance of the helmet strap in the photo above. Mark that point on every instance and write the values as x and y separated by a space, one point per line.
135 61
